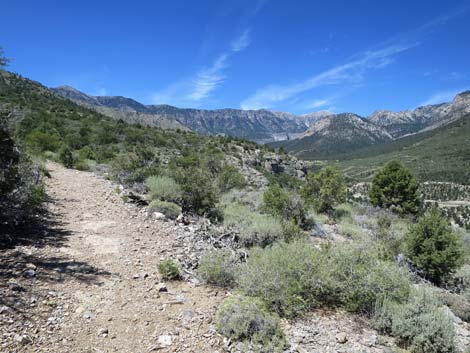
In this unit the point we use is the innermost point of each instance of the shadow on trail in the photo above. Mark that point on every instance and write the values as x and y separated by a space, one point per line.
27 269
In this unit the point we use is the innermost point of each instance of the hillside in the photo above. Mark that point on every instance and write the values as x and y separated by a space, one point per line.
442 154
333 135
256 125
406 122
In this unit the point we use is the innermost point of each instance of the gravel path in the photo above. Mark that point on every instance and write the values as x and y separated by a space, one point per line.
95 287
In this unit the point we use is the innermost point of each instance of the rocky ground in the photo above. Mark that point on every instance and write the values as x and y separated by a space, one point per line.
86 280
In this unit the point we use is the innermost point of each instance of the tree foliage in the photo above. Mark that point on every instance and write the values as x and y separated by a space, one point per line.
324 190
394 187
3 60
434 247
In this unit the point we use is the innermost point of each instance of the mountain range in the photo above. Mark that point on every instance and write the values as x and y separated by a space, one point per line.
318 135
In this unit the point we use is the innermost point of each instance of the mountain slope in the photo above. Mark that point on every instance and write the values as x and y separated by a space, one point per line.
441 154
335 135
257 125
424 118
118 108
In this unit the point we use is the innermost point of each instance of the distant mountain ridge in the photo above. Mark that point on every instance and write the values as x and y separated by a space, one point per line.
258 125
337 135
321 134
424 118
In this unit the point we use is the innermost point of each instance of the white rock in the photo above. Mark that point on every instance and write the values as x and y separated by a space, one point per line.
158 215
165 340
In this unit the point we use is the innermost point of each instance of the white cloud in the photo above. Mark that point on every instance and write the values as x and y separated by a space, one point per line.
205 81
317 103
442 97
352 71
241 42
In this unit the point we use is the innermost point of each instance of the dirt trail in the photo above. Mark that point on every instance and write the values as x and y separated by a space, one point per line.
120 307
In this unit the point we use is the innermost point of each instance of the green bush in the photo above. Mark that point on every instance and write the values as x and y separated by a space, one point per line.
21 187
294 277
288 206
433 247
357 277
291 231
230 178
39 141
324 190
66 156
421 324
462 278
163 188
169 269
395 188
247 319
263 230
169 209
218 268
237 215
284 276
85 164
86 153
459 304
198 192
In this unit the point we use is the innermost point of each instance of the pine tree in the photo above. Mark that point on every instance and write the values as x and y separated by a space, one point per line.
433 246
394 187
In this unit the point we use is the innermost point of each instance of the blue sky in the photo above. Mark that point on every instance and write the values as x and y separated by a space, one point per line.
296 56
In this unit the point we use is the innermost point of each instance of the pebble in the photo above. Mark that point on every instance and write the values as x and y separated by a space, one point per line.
165 341
341 338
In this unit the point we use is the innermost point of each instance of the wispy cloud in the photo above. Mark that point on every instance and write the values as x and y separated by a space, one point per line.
353 71
442 96
206 80
243 41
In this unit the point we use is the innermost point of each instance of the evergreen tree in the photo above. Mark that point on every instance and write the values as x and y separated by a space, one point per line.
394 187
324 190
3 60
433 246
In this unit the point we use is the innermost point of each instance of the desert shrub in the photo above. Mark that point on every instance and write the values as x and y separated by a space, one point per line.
169 209
53 156
324 190
262 230
284 204
433 247
21 187
237 215
293 277
462 278
250 199
421 324
291 231
394 187
275 199
459 304
350 229
86 153
357 277
247 319
285 276
218 267
198 192
169 269
163 188
230 178
66 156
85 164
39 141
